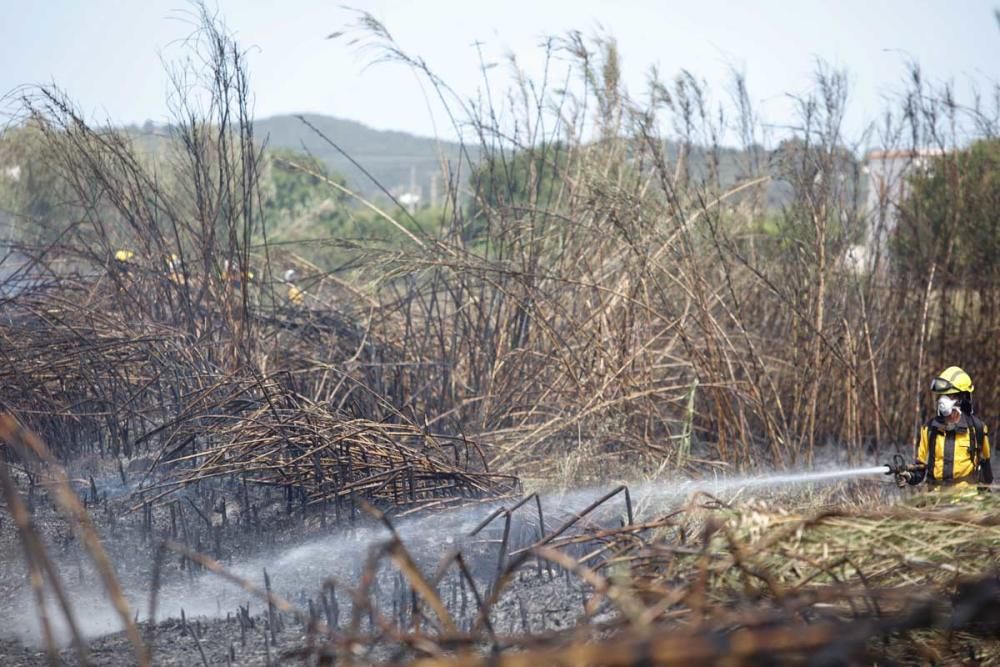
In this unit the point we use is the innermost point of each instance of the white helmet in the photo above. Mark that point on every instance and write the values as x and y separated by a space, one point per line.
289 275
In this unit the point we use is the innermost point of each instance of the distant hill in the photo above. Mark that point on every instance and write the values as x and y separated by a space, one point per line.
395 159
398 160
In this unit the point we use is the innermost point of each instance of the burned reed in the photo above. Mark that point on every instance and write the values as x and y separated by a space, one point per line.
607 290
704 582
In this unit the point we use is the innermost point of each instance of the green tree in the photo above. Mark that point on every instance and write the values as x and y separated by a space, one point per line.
527 179
33 192
303 208
949 217
298 184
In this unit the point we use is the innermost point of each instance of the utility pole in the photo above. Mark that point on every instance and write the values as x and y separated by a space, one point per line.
414 195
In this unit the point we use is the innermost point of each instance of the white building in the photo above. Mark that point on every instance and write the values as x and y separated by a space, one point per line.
888 173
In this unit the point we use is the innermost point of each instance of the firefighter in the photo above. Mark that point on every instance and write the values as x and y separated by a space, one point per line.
232 275
175 272
123 261
954 447
296 296
123 269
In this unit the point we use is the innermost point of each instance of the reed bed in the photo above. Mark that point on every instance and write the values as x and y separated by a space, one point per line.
596 290
914 582
705 583
152 392
328 458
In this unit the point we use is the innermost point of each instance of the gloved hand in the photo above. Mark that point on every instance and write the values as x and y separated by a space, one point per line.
903 478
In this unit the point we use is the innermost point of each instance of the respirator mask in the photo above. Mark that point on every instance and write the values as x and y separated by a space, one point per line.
946 404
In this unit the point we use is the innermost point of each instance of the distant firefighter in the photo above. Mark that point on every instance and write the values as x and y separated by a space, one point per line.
175 272
296 296
233 276
123 261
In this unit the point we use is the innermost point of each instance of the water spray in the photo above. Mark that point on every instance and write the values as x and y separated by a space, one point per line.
803 477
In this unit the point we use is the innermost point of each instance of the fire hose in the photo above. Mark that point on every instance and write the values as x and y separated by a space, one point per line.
901 470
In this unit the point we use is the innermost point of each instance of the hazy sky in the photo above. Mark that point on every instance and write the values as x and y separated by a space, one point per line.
107 53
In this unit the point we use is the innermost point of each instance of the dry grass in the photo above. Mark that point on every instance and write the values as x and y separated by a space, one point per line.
911 583
592 293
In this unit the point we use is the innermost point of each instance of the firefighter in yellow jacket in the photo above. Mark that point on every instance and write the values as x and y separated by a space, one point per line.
296 296
954 447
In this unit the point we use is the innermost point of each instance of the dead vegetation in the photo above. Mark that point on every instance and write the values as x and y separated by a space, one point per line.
913 583
594 292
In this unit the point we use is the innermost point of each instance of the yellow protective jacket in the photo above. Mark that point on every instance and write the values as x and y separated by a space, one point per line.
958 452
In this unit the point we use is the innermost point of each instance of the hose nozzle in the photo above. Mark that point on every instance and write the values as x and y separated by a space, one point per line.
902 471
897 466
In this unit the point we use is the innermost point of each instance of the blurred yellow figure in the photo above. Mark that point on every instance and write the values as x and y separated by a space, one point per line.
232 276
295 295
123 262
